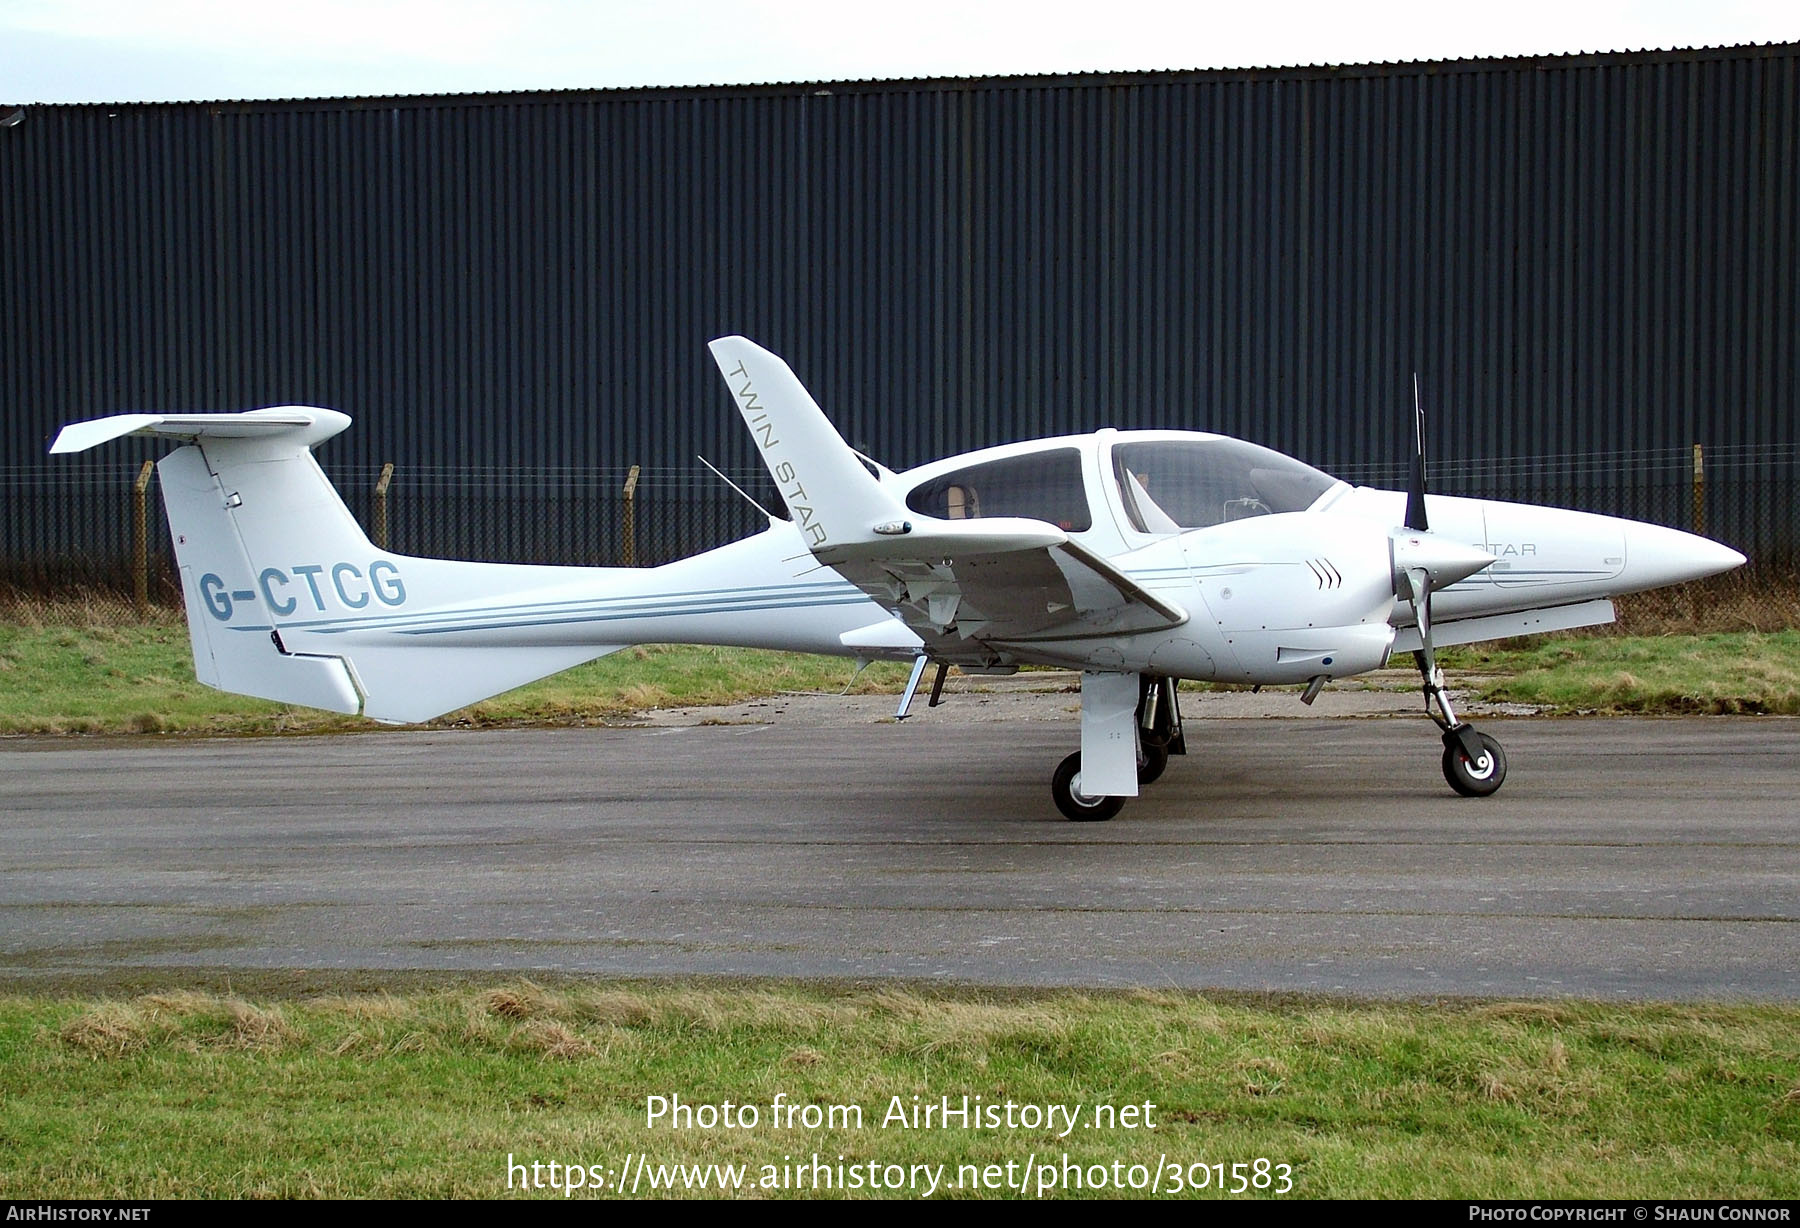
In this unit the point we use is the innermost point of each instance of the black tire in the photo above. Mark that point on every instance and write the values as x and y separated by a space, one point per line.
1156 758
1074 805
1474 779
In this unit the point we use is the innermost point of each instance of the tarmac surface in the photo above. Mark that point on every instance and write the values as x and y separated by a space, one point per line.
1653 859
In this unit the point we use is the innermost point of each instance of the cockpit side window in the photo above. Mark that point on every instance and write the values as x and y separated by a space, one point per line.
1039 486
1170 485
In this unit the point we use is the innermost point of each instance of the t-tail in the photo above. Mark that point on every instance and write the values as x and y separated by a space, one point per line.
287 599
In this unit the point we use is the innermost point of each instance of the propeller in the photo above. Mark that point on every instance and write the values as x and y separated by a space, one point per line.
1415 488
1423 560
1418 577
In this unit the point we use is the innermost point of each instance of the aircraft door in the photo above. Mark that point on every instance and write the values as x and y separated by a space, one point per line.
1157 557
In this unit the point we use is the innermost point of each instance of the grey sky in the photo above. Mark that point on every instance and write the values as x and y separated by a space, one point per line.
161 50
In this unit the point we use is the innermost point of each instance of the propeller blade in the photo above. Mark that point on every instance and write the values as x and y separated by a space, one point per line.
1421 603
1419 581
1415 490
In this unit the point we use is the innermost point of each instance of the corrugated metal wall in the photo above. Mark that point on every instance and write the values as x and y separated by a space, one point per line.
1591 261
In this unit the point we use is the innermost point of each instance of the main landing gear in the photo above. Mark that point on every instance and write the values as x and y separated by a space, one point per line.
1065 787
1155 730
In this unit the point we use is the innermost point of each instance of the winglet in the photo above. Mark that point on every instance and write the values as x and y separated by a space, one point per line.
834 500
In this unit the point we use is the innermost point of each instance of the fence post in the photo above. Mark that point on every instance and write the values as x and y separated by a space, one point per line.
628 521
140 541
381 488
1699 493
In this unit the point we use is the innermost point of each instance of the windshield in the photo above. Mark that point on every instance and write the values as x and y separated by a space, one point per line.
1175 484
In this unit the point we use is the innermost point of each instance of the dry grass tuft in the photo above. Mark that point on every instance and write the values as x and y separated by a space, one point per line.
196 1019
349 1042
522 1001
179 1004
619 1007
642 696
108 1030
551 1039
1556 1056
257 1027
372 1008
1493 1087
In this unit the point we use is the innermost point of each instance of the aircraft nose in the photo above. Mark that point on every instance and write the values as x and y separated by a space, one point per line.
1655 556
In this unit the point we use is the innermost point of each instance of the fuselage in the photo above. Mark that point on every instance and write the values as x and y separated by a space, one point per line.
1285 572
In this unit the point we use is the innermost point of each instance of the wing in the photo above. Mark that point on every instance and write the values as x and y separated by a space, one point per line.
973 590
968 605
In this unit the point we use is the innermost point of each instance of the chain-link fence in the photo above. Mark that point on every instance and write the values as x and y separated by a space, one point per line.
92 544
84 544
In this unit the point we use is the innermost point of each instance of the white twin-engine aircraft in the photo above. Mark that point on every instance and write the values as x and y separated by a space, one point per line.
1138 557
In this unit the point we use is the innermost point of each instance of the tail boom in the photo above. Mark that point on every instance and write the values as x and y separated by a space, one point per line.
288 600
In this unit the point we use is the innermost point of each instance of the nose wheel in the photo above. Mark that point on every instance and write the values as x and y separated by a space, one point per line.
1474 764
1477 774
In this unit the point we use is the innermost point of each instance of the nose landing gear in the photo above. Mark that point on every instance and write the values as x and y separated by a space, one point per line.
1474 763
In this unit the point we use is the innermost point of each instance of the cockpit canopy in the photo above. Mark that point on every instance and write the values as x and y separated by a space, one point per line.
1171 484
1164 482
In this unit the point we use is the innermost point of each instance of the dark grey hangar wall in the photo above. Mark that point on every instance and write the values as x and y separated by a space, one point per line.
1592 262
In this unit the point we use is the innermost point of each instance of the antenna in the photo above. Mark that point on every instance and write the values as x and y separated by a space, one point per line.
747 499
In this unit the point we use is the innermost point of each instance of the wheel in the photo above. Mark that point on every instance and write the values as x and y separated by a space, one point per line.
1065 787
1476 779
1156 758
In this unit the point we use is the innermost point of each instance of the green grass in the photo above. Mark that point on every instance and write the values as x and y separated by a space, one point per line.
425 1092
1671 674
139 678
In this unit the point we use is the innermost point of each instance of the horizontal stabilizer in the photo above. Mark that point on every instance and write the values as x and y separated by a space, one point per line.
305 424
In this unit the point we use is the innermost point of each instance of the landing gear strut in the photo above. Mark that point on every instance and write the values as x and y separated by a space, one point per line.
1159 728
1474 764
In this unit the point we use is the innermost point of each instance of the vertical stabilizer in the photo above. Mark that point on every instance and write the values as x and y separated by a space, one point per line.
229 600
287 599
